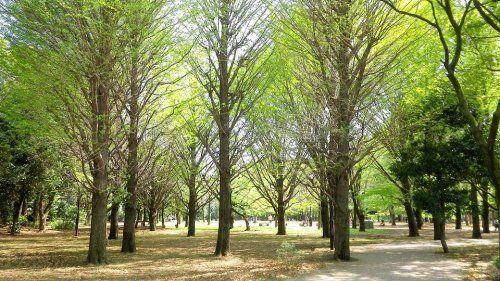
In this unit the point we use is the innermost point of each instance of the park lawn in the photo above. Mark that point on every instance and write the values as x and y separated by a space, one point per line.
480 262
168 254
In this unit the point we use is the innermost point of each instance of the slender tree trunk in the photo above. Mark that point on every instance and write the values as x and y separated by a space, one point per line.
476 227
113 222
137 219
331 228
77 218
325 217
177 219
153 215
225 206
209 212
392 215
192 206
280 214
418 217
358 212
458 217
247 223
354 220
412 221
186 220
485 211
144 216
16 212
163 217
36 210
24 209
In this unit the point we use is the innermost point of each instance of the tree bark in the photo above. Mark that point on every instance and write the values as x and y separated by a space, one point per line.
137 219
440 229
247 223
485 211
43 213
392 215
163 217
458 217
418 217
16 212
412 221
192 206
144 216
225 206
209 212
476 227
77 218
113 222
325 217
280 212
97 245
153 216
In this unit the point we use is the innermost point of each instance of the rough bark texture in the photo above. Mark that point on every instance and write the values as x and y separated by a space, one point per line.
440 230
77 217
98 241
192 206
476 227
222 247
420 220
412 220
485 212
280 212
130 221
16 212
113 222
458 217
325 217
153 216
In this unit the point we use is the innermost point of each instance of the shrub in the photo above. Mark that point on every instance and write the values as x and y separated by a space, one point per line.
288 253
62 224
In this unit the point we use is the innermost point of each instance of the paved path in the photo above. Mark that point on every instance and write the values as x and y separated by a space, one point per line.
406 261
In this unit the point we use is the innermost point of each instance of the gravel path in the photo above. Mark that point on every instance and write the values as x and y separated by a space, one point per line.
406 261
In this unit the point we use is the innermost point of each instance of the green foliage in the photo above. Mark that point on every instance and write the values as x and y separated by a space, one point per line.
288 253
61 224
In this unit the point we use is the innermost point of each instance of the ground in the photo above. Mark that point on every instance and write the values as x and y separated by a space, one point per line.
168 254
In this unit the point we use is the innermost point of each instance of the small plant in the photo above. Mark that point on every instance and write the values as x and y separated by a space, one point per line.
288 253
496 261
62 225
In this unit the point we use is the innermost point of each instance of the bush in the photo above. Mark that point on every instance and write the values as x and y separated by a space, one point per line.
62 225
288 253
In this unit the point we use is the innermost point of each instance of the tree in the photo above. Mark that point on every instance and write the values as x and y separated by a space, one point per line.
233 36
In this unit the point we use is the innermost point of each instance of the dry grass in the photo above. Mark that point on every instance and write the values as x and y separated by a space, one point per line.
166 255
480 262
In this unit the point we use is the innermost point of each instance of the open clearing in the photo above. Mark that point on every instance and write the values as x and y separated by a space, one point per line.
168 255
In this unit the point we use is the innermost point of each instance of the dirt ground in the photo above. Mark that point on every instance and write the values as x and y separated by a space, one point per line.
168 254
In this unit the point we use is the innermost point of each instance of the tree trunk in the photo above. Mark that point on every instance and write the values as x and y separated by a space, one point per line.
24 209
280 212
458 217
354 220
392 215
177 219
186 220
440 229
325 217
485 211
209 212
192 206
412 221
16 212
331 228
43 213
247 223
97 245
113 222
163 217
358 212
36 210
144 216
341 213
77 218
137 219
418 217
153 215
476 227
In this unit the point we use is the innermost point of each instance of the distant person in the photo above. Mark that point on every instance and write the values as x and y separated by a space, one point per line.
382 223
495 224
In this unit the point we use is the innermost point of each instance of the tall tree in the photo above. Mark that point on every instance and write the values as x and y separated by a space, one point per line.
233 36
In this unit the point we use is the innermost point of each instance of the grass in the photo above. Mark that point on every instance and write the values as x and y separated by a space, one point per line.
167 254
